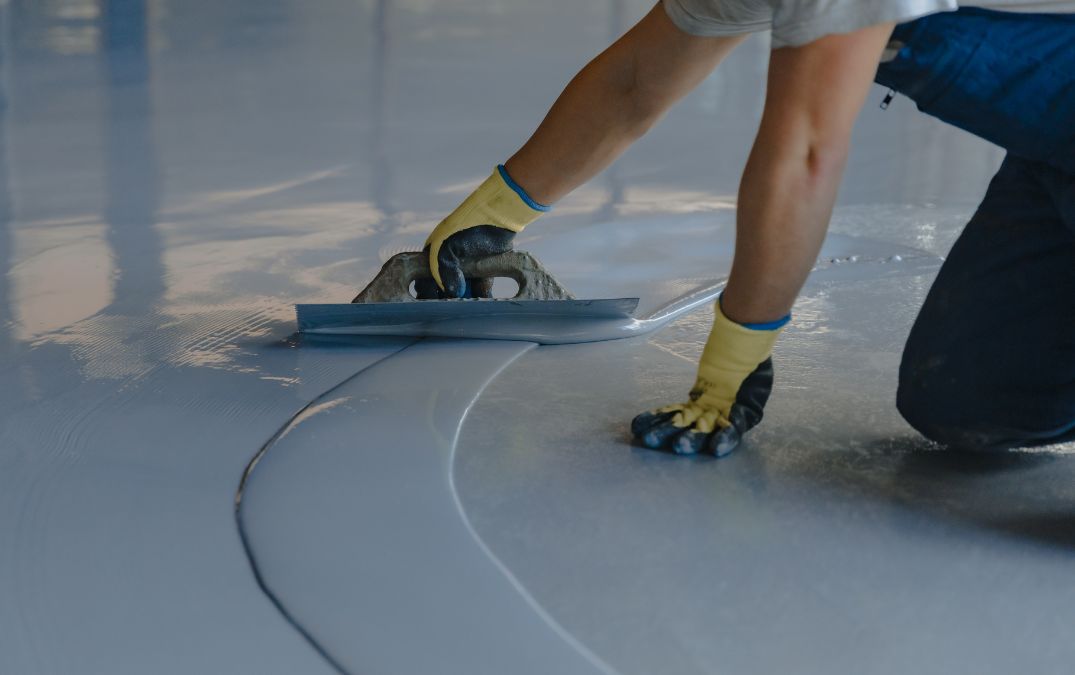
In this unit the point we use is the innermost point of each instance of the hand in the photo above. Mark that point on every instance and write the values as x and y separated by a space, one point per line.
735 377
656 429
485 224
479 241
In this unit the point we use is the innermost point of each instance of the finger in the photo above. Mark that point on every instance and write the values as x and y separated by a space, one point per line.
427 289
642 423
480 241
690 442
722 442
455 286
660 435
479 287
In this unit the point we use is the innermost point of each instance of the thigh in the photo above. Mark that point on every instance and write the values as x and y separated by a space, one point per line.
1004 76
993 348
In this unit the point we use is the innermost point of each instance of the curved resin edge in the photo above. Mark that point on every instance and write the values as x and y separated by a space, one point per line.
244 539
587 332
368 400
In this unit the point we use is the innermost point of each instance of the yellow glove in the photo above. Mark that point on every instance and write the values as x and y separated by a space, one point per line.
484 224
735 377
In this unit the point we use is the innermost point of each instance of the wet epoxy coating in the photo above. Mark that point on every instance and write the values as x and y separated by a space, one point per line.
331 470
175 176
833 541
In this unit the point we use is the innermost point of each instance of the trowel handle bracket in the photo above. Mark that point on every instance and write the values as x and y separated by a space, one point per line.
393 282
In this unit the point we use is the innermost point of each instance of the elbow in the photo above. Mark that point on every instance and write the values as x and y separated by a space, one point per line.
824 160
642 121
806 154
643 109
643 98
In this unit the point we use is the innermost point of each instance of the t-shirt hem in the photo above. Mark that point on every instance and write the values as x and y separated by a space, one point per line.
705 27
852 19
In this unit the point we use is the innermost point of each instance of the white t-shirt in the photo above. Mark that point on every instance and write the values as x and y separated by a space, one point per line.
797 22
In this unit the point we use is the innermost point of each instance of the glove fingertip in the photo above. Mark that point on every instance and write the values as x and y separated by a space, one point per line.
689 442
644 422
452 278
656 437
641 423
478 287
427 289
652 440
723 442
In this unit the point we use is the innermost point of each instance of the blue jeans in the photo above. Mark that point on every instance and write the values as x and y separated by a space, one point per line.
990 361
1004 76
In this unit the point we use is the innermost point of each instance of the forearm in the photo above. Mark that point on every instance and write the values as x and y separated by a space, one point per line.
593 121
791 179
785 202
613 101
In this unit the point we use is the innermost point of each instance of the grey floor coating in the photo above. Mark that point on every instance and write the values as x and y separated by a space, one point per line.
872 554
410 559
175 176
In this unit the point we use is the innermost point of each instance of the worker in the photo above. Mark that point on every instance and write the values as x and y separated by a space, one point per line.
990 361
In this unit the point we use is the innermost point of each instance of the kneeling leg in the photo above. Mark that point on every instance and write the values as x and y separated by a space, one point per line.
990 361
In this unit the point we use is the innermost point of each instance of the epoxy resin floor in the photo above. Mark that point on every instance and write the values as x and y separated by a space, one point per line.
175 176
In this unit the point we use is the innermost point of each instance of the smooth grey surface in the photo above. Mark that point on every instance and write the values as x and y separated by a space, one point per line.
834 540
331 469
407 588
175 176
142 351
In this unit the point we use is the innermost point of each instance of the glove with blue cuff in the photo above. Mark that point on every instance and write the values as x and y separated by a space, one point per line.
735 377
485 224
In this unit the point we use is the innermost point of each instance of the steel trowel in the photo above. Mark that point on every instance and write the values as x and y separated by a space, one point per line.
387 307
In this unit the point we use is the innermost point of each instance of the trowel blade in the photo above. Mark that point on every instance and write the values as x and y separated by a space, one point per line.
512 319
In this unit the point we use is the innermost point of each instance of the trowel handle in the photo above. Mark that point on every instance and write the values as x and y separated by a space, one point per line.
393 282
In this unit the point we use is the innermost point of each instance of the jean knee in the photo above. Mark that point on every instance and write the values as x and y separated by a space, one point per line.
931 400
932 403
919 405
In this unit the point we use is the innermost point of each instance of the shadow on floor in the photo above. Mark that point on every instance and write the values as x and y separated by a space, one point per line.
1030 495
1026 494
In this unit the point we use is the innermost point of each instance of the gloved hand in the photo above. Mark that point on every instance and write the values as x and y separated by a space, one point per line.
484 224
735 377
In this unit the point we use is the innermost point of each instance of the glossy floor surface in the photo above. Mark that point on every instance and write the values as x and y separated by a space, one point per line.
175 176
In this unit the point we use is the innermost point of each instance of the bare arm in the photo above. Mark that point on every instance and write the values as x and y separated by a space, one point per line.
791 179
613 101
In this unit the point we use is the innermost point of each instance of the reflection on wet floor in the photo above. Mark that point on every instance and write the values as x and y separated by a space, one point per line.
6 207
131 167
